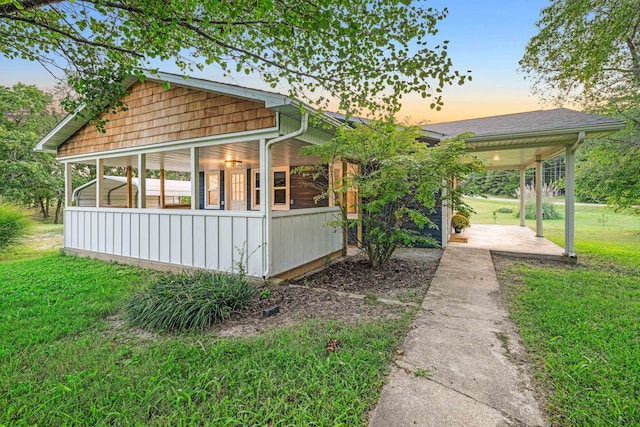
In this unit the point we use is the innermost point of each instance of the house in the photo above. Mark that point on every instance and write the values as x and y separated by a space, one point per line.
247 210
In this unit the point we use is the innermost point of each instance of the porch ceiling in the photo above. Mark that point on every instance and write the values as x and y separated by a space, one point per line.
214 157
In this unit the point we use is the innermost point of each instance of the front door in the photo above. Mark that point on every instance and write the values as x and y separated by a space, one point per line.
237 190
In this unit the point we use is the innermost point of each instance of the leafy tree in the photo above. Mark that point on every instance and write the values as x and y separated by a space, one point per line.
608 173
365 54
399 181
27 177
588 50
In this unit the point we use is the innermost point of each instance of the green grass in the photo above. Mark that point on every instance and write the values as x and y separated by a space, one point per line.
63 363
581 324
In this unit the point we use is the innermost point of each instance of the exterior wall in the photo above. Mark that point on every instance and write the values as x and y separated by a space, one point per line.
303 190
156 115
301 236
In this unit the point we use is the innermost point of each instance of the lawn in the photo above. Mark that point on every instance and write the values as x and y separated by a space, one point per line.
62 361
581 324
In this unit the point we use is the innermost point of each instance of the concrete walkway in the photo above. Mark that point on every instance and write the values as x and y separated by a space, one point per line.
460 362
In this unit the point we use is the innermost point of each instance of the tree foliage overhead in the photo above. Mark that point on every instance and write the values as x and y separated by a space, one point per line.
365 54
399 181
589 51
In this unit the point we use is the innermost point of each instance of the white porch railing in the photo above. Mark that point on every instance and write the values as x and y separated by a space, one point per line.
214 240
302 235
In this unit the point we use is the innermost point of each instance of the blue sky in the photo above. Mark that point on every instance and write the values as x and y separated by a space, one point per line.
487 37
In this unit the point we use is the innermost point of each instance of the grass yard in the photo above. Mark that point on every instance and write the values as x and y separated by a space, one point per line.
62 362
581 324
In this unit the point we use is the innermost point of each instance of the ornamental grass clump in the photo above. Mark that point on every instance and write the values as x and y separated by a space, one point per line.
188 300
14 224
548 209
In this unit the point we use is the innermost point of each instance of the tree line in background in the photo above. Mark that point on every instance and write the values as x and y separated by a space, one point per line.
26 177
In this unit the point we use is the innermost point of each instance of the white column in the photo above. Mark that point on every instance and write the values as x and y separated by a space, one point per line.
142 181
522 201
263 174
569 203
99 178
539 197
68 184
265 204
195 178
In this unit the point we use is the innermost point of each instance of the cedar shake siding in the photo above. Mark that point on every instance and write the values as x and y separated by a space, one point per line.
156 115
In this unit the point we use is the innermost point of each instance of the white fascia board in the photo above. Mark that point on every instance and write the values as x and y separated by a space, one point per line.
228 138
607 127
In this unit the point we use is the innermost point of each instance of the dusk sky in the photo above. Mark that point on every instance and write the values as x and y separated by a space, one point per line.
487 37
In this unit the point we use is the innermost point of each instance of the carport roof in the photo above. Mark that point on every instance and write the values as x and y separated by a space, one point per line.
513 141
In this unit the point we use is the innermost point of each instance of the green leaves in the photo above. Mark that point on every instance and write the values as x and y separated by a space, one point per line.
366 56
398 180
587 51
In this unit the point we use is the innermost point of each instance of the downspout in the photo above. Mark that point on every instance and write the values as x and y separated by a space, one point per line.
304 125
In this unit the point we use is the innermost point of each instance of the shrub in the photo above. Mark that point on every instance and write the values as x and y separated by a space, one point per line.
14 224
188 300
504 210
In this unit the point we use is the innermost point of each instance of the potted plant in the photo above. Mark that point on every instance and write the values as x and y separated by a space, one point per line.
459 222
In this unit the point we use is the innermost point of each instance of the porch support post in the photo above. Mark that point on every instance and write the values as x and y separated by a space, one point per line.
195 178
265 204
162 198
263 176
99 178
142 181
68 184
129 187
539 197
343 203
522 189
570 198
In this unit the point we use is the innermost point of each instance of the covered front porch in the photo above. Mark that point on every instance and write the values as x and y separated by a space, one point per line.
519 142
236 217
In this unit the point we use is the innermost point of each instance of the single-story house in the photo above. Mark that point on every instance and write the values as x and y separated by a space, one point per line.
115 190
247 210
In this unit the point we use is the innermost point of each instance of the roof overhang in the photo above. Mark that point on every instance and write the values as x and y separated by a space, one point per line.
520 150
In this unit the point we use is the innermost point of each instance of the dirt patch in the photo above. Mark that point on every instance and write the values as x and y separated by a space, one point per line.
346 290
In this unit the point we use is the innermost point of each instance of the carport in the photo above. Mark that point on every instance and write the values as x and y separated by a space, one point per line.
524 140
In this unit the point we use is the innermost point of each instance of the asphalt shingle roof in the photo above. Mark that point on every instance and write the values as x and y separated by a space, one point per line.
542 120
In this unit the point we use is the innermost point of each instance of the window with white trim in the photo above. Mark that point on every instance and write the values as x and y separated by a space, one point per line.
280 188
212 190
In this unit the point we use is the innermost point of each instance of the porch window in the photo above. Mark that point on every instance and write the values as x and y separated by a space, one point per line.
212 190
280 192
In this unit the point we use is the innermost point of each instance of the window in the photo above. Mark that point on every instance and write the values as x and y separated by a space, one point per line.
280 184
212 190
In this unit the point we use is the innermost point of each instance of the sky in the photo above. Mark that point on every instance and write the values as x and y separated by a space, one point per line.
487 37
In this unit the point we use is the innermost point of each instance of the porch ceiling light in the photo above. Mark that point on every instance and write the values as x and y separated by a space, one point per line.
233 163
496 157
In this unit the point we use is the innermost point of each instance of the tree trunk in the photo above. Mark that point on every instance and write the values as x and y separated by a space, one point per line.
45 216
56 219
